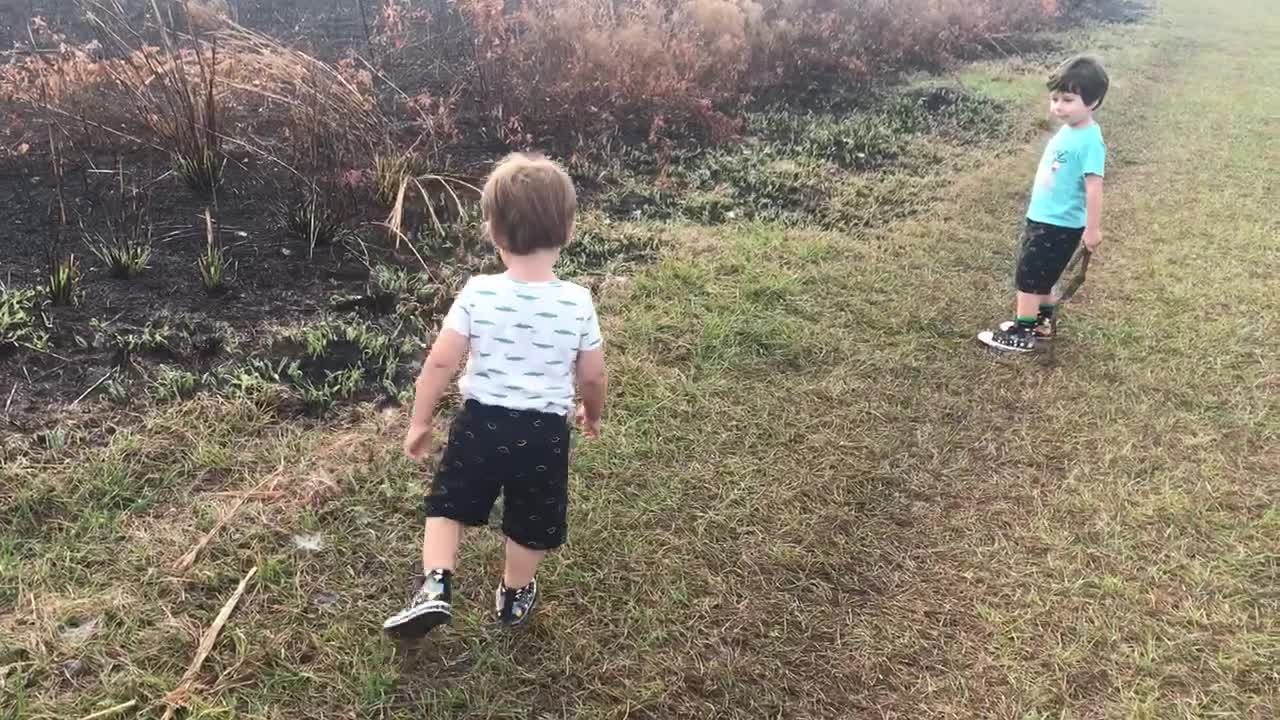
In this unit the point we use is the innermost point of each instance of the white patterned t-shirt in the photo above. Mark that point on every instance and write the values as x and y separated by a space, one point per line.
524 341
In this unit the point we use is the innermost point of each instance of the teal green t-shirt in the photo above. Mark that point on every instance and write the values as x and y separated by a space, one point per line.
1057 197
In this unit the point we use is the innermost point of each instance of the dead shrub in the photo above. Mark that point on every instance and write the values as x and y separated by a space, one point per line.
583 65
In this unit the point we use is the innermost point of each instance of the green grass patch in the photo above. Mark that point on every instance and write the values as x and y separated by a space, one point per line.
23 322
813 169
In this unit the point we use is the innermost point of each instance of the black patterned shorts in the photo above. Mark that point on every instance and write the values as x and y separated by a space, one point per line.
520 453
1046 250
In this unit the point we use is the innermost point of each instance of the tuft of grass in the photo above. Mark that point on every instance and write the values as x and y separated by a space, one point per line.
172 88
602 246
334 359
63 282
404 185
126 246
409 294
392 172
127 342
173 384
458 239
200 168
314 217
22 322
215 263
124 254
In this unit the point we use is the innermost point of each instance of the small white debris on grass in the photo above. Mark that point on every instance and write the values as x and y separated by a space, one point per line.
80 633
309 543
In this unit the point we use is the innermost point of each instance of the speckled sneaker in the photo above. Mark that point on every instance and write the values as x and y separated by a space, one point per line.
1014 340
429 607
515 606
1043 329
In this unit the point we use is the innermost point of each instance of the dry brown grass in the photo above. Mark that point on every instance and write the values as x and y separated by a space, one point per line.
646 61
208 88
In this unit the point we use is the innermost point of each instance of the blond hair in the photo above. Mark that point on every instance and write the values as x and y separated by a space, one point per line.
529 203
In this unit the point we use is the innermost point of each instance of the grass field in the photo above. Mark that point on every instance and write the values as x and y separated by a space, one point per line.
817 496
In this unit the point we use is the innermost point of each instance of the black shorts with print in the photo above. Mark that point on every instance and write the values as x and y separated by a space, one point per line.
1046 250
520 453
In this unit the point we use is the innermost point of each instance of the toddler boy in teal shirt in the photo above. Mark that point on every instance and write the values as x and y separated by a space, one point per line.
1066 203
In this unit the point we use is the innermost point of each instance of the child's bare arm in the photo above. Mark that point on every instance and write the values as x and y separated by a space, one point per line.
439 368
593 386
1093 211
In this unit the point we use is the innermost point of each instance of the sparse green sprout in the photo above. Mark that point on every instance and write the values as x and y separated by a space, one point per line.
115 392
461 237
201 171
64 281
124 256
603 247
391 175
411 294
175 384
213 268
126 246
215 262
19 312
313 218
53 440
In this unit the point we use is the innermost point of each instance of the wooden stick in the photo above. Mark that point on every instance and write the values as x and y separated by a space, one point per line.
110 711
1079 265
186 561
178 697
94 387
251 494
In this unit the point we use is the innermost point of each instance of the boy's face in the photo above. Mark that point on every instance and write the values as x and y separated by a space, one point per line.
1069 108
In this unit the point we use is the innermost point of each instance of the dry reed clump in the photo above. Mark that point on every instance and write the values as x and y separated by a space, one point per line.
199 86
541 63
535 70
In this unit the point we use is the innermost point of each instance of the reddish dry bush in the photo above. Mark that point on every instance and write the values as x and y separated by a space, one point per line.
605 62
582 64
801 40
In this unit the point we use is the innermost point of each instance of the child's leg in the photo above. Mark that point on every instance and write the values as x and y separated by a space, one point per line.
1046 251
521 564
1029 304
535 511
440 540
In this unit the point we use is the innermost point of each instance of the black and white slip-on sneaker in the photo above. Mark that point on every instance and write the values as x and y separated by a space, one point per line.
431 606
1014 340
513 607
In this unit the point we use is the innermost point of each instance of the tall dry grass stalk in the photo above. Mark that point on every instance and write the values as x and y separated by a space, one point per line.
208 82
172 88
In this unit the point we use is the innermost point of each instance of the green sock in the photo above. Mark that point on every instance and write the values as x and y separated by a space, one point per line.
1026 322
1046 310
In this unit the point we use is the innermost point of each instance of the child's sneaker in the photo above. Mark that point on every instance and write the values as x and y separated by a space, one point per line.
515 606
1043 329
430 607
1010 340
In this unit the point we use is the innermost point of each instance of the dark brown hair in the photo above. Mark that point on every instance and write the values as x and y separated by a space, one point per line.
1083 76
529 203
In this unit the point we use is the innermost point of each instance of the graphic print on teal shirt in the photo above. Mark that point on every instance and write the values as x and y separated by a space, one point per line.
1057 197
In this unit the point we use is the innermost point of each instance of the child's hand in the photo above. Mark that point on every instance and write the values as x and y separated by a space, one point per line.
1092 239
589 427
417 442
